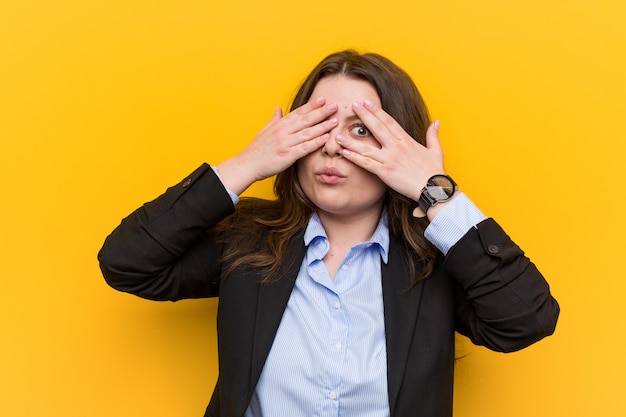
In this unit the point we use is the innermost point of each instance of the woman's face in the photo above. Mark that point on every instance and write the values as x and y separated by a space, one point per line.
335 185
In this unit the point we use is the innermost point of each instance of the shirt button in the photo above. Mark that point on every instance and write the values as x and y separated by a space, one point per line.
187 183
337 305
338 346
344 268
332 395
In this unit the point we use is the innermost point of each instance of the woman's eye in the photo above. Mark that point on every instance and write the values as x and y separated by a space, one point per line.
360 131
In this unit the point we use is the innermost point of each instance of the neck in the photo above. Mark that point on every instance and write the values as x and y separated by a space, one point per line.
346 231
343 232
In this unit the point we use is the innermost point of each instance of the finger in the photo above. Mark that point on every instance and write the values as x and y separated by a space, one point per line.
374 124
310 105
432 137
382 125
387 120
363 161
360 147
278 114
314 116
302 149
314 131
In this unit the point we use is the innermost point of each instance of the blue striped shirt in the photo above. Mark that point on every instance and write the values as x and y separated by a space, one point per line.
329 356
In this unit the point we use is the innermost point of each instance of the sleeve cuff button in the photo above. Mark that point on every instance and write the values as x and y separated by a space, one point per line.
493 249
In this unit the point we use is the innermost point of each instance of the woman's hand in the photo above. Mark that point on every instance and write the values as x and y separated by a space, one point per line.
279 144
400 162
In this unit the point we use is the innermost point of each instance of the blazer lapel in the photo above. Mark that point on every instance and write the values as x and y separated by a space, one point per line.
271 304
401 303
401 306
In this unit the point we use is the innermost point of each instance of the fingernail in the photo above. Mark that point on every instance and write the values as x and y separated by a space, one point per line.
436 124
319 100
333 121
368 104
332 106
340 139
357 106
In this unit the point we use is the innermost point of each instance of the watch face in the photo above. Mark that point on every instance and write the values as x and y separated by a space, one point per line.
440 187
437 192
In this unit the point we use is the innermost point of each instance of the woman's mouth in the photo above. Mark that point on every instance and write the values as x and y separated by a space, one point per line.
329 175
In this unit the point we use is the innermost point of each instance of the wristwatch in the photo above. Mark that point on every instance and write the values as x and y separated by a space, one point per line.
438 188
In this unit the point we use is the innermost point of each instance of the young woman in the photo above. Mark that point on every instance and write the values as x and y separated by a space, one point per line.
342 296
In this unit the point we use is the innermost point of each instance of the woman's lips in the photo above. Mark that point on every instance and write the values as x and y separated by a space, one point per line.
329 175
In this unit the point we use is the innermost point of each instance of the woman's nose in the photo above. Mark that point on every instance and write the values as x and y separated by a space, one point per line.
331 147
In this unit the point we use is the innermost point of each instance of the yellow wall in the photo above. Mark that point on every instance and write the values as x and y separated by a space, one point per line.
103 104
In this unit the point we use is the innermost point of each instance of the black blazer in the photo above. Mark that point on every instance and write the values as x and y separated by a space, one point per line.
485 288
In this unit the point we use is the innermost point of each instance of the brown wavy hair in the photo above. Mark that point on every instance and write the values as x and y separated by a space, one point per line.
259 232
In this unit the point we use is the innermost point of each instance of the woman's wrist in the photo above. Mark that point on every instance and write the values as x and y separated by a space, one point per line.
236 175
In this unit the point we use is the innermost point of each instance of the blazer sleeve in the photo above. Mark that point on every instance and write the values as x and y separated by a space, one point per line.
502 301
165 249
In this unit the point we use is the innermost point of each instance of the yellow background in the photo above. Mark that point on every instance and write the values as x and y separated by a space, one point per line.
105 103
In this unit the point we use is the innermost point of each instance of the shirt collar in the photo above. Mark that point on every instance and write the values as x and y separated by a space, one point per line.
315 232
